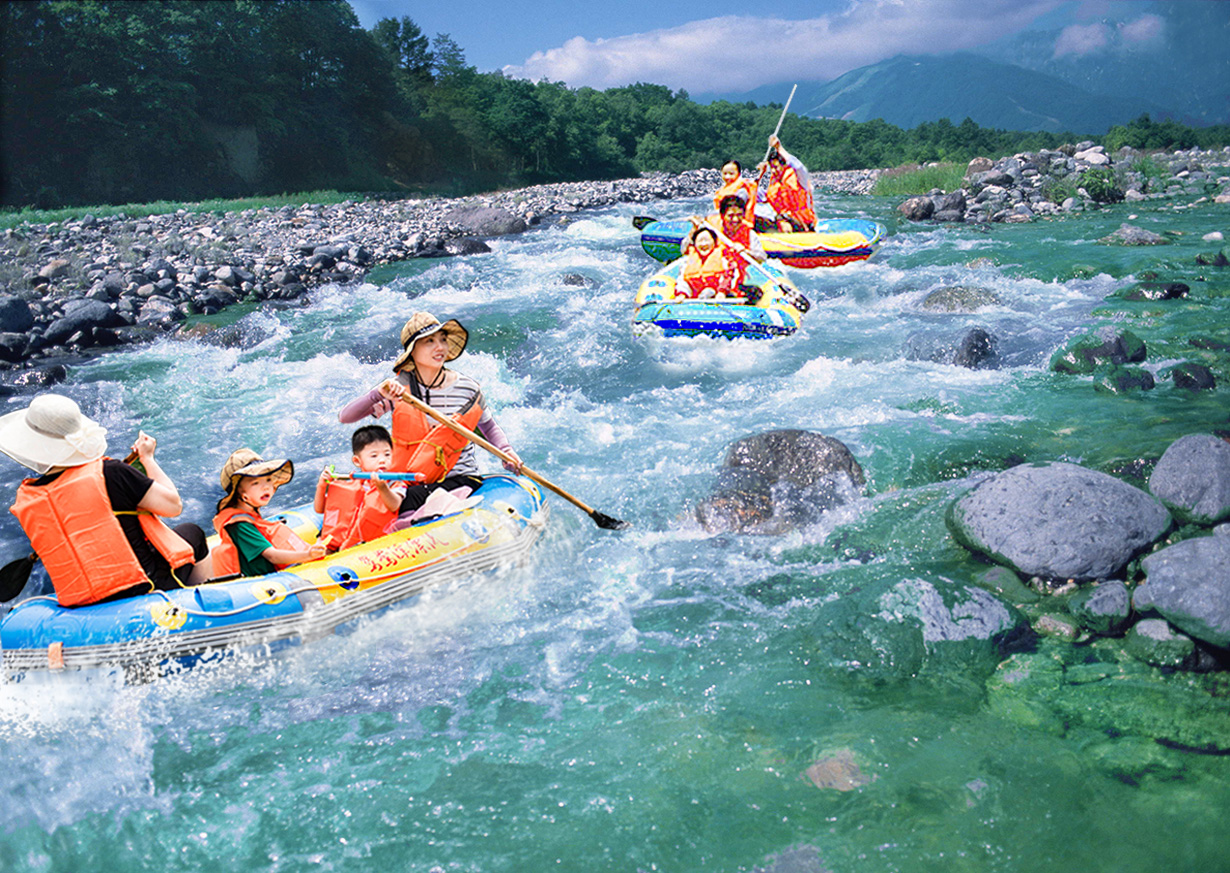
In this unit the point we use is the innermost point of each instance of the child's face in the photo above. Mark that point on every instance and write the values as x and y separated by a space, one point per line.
729 173
704 243
256 491
374 457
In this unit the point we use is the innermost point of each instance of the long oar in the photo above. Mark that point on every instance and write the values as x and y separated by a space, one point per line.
15 574
603 521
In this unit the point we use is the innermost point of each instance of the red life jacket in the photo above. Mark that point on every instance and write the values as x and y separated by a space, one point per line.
72 526
226 555
789 199
712 271
354 513
421 445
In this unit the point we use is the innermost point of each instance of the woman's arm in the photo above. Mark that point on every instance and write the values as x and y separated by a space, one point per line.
373 404
162 498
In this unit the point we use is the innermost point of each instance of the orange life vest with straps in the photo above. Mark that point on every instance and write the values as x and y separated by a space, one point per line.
744 189
354 513
226 555
73 529
712 271
421 445
789 199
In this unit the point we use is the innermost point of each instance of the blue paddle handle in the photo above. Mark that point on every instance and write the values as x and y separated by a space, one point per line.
389 477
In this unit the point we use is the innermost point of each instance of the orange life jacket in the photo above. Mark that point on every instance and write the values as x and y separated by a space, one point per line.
712 271
73 528
790 199
743 188
354 513
226 555
421 445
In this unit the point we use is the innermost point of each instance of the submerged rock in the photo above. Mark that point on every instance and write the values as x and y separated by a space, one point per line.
775 481
895 629
1057 520
1104 609
1106 345
1130 235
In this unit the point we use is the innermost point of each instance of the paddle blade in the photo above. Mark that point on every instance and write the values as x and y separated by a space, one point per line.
14 575
607 523
639 221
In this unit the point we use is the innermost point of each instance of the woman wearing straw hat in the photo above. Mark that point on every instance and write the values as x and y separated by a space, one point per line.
420 445
96 522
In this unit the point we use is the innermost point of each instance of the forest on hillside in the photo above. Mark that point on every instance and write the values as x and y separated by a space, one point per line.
133 101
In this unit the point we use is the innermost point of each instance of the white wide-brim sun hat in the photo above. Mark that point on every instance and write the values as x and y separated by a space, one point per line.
51 432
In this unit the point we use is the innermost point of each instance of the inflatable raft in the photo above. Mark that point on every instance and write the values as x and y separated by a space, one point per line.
836 241
155 633
778 311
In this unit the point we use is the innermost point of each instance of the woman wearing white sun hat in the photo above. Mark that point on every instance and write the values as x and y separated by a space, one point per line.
96 522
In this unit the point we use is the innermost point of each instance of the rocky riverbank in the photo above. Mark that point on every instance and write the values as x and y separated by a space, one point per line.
74 288
1071 179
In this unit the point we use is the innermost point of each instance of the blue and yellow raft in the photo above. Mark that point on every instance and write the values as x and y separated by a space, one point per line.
778 311
834 242
154 633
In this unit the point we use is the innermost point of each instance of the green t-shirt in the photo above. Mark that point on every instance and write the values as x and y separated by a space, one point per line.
250 543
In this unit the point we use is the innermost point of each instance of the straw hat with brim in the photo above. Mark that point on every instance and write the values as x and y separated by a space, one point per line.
247 463
423 324
51 432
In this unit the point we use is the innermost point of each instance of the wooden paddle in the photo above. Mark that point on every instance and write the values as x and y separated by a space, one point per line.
15 574
603 521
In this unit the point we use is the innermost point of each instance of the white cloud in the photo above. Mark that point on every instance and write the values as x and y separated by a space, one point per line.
1145 31
736 53
1082 39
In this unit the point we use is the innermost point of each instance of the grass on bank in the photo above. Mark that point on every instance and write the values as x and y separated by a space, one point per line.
910 180
11 218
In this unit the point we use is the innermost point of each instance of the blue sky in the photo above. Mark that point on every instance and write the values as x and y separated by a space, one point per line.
729 46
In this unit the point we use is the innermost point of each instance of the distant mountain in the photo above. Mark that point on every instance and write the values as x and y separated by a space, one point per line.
1167 59
907 91
1185 67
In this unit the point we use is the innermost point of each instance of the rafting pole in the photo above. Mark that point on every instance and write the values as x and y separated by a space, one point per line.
603 521
785 109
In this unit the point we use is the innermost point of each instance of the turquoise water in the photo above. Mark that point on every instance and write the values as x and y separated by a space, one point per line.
650 699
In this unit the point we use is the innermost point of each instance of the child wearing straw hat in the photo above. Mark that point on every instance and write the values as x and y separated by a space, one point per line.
250 544
420 445
96 522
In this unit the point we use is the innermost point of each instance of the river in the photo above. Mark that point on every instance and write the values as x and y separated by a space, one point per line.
649 699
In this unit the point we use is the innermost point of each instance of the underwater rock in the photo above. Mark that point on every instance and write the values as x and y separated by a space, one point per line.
1057 521
1106 345
1121 698
1105 609
1192 479
775 481
1188 583
1118 379
960 298
1130 235
1154 641
838 772
974 348
895 629
1006 585
1192 376
1153 291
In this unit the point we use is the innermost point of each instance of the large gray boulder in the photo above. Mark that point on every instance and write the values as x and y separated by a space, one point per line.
1189 585
775 481
1193 479
81 317
484 220
1057 521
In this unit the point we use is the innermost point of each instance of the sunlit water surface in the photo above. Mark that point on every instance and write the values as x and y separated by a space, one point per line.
627 700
